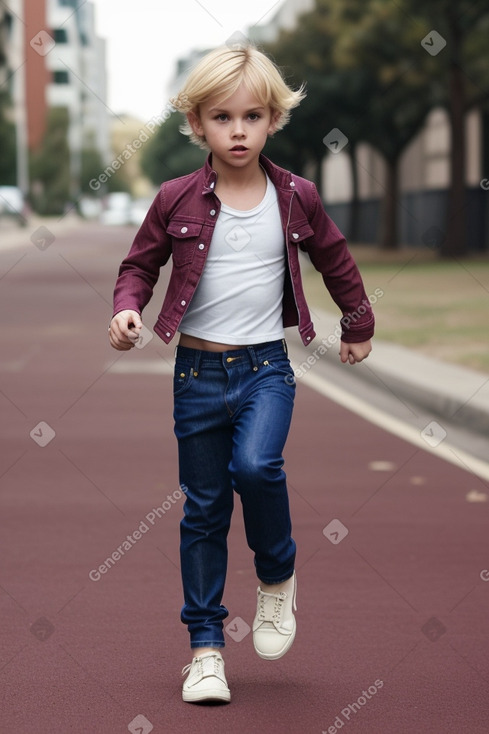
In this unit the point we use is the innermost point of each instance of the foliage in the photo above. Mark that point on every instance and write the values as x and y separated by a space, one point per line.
8 176
368 74
50 166
169 154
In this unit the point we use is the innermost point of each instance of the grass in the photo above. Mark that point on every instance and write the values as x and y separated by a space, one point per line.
437 307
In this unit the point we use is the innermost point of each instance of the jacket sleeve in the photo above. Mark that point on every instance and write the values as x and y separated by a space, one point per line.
140 270
329 254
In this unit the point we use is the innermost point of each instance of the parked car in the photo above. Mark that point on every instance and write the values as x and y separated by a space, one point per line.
117 209
12 204
139 209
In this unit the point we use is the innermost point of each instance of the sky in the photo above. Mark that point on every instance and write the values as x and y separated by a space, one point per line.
145 38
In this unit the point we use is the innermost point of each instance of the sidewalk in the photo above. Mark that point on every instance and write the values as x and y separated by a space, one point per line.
40 231
456 394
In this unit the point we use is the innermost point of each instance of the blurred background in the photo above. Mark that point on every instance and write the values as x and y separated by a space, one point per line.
394 129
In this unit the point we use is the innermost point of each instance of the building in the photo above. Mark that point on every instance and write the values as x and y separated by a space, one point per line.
55 59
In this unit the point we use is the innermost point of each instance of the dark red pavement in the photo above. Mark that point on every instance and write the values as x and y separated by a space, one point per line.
392 620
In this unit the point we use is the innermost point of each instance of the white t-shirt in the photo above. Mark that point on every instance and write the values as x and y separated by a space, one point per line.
239 297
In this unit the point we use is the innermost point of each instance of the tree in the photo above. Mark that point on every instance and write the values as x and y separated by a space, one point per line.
460 72
357 60
50 166
8 157
169 153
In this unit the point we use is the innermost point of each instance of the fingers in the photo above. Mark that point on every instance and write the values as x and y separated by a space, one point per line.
124 330
356 352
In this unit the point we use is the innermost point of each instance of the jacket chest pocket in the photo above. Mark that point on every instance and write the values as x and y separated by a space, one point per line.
299 231
185 238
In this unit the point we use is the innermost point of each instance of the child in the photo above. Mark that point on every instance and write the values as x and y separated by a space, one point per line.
233 229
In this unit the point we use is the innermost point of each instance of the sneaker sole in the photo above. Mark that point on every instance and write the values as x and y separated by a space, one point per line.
203 696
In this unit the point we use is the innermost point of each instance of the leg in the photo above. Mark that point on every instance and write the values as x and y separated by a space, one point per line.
261 426
204 448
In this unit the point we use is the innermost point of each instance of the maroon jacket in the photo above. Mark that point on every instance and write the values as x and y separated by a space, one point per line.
180 222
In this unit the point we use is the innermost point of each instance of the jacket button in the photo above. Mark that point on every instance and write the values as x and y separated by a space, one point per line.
184 229
292 184
168 333
201 246
182 303
213 183
295 236
308 338
213 211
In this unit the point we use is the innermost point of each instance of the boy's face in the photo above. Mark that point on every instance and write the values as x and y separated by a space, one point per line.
235 129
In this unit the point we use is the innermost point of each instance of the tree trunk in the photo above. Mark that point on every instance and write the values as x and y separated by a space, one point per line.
388 225
455 242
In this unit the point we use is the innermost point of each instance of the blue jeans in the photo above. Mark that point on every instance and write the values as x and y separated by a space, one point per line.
232 415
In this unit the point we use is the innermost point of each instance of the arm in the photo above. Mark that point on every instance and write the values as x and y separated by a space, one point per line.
138 274
329 254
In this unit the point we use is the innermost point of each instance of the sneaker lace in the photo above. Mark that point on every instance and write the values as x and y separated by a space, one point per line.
199 663
267 613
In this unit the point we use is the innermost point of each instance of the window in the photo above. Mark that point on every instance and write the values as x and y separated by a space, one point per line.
60 35
61 77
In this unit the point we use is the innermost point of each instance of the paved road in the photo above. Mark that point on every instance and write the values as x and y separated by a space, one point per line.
392 562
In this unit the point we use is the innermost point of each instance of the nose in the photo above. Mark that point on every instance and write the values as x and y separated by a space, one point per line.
238 129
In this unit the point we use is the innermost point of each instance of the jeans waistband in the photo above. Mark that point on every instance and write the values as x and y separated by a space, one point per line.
256 353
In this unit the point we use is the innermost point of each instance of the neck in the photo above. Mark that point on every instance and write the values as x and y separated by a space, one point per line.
237 178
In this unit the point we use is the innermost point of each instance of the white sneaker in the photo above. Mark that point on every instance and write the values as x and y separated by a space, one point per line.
274 624
206 680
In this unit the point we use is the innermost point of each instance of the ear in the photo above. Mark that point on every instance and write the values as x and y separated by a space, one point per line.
194 122
274 121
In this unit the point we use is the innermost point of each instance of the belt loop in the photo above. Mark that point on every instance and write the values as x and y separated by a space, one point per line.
253 358
284 344
198 355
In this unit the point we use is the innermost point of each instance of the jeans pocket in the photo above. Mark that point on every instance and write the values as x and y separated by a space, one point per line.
283 367
182 379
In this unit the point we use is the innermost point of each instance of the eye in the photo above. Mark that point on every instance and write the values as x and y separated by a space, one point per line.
222 117
254 116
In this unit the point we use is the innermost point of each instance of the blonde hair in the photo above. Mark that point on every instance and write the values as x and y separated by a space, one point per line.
221 72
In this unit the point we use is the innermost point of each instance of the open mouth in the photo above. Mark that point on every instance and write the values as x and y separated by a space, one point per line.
239 147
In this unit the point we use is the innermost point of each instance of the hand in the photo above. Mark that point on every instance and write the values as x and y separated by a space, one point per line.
124 330
355 352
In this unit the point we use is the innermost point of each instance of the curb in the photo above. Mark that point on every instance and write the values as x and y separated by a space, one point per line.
457 394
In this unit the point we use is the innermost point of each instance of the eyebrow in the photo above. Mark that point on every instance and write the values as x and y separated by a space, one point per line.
222 110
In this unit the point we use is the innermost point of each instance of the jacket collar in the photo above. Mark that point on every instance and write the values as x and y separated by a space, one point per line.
278 176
